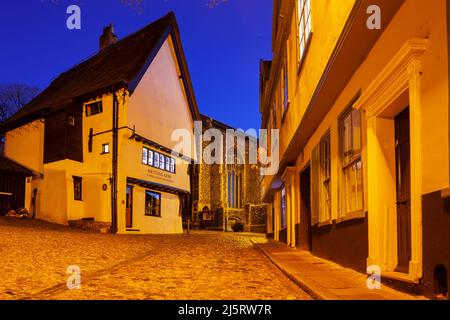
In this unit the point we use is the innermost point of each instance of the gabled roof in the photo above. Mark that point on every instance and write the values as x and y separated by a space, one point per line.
11 166
120 65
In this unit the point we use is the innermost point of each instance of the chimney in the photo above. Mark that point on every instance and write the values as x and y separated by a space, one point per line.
108 37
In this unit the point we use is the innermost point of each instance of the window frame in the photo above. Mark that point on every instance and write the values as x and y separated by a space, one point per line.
90 106
158 214
76 196
303 38
345 165
103 148
158 160
325 179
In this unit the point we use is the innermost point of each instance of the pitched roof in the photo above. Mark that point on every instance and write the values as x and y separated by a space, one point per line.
120 65
11 166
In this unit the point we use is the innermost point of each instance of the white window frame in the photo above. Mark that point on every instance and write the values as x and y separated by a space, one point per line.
304 27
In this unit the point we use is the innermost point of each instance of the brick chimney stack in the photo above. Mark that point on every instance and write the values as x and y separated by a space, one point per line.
108 37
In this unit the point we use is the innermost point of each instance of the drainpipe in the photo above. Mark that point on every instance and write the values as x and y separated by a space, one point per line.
115 156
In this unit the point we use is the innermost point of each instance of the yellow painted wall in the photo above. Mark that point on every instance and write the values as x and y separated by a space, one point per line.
25 145
415 19
168 223
328 20
159 105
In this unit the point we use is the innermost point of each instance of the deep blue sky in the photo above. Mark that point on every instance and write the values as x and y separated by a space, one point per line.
223 45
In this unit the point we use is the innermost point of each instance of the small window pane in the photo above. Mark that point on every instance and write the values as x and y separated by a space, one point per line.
172 165
156 160
105 148
167 164
150 158
161 162
144 156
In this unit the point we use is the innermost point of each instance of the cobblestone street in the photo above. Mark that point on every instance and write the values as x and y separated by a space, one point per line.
35 256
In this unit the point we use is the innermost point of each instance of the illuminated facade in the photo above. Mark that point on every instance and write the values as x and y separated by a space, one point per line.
364 136
98 139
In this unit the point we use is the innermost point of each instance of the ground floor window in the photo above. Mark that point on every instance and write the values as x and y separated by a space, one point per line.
352 197
152 203
321 181
78 188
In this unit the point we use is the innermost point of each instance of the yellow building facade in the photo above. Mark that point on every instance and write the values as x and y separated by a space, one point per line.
104 158
363 114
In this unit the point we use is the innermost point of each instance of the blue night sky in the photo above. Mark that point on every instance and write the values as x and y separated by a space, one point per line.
223 45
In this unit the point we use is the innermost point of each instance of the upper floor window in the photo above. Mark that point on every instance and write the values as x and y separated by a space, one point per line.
285 86
94 108
352 198
304 26
105 148
158 160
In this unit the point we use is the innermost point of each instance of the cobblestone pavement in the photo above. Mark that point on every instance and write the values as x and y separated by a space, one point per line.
35 255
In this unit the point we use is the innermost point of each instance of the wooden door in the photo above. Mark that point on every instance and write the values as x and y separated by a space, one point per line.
403 179
305 210
129 207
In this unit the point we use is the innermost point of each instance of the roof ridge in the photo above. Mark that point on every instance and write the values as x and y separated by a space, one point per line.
170 16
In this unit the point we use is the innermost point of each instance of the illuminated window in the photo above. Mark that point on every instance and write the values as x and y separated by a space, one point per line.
94 108
152 204
352 198
172 165
105 148
150 158
144 156
167 164
158 160
304 26
161 162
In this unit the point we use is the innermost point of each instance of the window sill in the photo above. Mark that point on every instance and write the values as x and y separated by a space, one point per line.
352 216
152 216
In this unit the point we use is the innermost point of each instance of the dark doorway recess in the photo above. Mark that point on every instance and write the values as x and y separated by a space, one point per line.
129 209
305 233
403 179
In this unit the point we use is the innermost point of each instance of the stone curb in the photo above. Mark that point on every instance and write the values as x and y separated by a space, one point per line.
299 282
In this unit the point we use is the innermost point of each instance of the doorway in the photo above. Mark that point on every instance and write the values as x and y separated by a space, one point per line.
129 207
403 186
305 236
